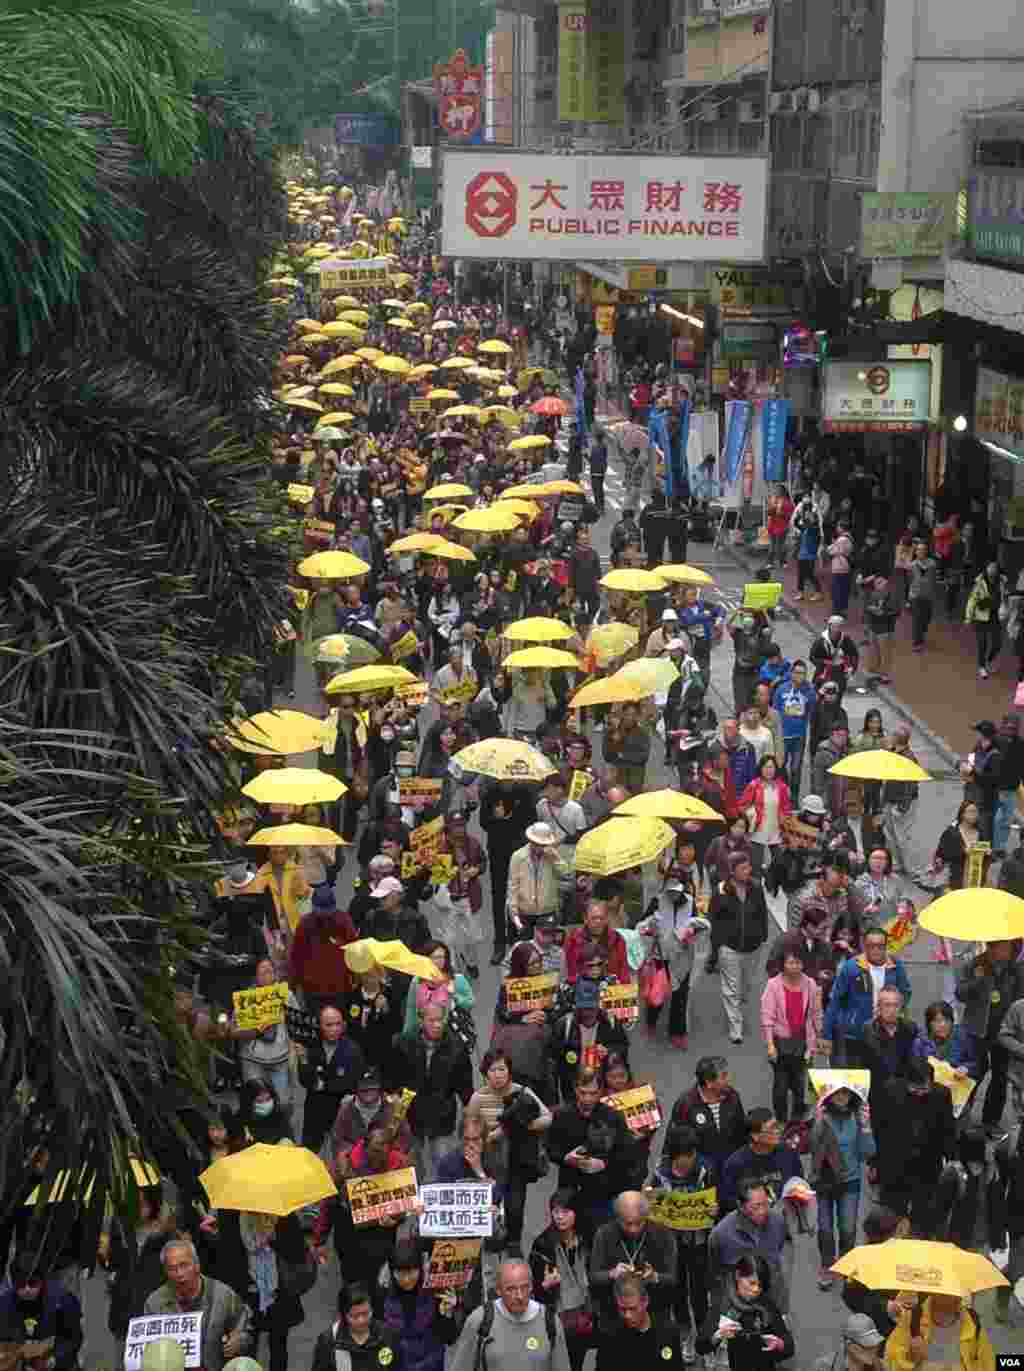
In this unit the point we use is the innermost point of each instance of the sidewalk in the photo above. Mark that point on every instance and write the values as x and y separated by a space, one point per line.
938 690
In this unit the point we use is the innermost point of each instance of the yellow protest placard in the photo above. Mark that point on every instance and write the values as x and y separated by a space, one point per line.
762 594
400 1103
452 1263
685 1210
523 993
426 841
412 788
410 866
850 1078
299 493
960 1087
461 693
372 1198
622 1002
639 1107
580 783
260 1007
443 869
405 647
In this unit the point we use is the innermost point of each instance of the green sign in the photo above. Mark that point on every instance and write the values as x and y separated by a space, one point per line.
905 223
996 216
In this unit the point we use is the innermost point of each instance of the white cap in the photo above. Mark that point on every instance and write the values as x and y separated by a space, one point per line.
388 886
669 616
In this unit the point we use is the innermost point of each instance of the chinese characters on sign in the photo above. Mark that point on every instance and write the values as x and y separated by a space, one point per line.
685 1210
186 1329
639 1108
452 1264
372 1198
906 223
338 275
261 1006
621 208
999 410
460 89
591 57
524 993
622 1002
462 1210
861 397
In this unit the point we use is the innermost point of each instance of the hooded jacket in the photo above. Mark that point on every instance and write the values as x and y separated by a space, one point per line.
834 659
336 1349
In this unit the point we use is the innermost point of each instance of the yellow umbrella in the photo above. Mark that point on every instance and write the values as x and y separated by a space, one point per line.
544 657
879 764
618 846
610 691
354 316
690 575
370 353
294 785
296 835
506 391
524 507
394 303
452 552
311 405
422 370
493 520
564 488
416 542
295 359
277 731
931 1268
538 630
462 412
442 393
343 363
341 328
667 804
457 363
331 564
299 493
376 676
494 345
632 579
505 759
448 490
656 672
526 492
417 307
335 388
977 914
297 392
336 416
442 325
308 325
393 955
312 339
449 512
609 641
398 366
267 1179
348 302
531 440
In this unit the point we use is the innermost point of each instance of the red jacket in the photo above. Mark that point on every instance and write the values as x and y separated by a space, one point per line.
754 795
618 959
316 962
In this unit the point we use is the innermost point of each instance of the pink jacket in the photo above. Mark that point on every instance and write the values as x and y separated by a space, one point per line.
753 795
774 1023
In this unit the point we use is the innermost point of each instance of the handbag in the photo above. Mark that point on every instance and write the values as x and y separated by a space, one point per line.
654 984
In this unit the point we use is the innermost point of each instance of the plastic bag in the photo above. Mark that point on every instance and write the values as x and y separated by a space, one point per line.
654 984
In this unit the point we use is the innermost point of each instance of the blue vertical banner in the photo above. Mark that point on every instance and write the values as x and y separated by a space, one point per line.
657 436
581 409
737 435
678 482
774 422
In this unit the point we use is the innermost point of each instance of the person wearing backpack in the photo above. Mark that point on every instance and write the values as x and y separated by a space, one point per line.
512 1331
940 1330
356 1340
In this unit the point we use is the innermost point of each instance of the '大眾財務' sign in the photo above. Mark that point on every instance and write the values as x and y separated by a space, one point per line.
547 207
186 1329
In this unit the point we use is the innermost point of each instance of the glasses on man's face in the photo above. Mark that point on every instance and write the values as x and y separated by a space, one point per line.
522 1288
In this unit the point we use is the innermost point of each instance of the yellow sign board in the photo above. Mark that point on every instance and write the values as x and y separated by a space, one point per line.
960 1087
405 647
622 1002
685 1210
572 60
452 1263
372 1198
639 1107
762 595
463 692
523 993
841 1078
260 1007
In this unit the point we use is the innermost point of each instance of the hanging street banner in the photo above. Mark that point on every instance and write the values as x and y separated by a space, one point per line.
591 62
599 205
774 420
460 94
738 415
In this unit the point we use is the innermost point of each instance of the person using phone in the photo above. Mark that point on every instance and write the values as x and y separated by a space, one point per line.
746 1320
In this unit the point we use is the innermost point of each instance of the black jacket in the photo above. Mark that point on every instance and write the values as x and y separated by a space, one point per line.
716 1141
438 1087
544 1253
657 1247
740 925
1011 873
624 1347
506 834
914 1135
566 1047
362 1357
605 1135
337 1077
58 1315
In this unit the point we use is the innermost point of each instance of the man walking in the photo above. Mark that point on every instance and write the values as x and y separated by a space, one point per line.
515 1329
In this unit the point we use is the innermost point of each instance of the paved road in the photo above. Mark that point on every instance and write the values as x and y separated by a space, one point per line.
817 1317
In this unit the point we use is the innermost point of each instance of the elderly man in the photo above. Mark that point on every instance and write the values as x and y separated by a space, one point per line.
533 877
516 1330
225 1317
639 1340
333 1066
831 893
596 930
631 1245
592 1148
436 1065
754 1229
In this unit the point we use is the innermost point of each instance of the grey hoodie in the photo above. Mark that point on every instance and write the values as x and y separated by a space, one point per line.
515 1344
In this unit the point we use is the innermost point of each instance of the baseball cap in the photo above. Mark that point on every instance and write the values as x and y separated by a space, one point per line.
860 1329
669 616
588 994
829 688
370 1080
836 619
812 804
388 886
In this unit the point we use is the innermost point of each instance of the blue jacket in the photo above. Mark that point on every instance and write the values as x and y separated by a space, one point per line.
795 707
742 762
963 1050
699 620
810 537
850 1005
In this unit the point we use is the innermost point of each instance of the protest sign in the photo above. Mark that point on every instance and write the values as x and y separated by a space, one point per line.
639 1108
422 788
414 694
580 784
400 1103
464 691
685 1210
261 1006
452 1264
960 1087
185 1329
426 842
442 870
405 647
622 1002
462 1210
850 1078
372 1198
762 594
419 404
523 993
299 493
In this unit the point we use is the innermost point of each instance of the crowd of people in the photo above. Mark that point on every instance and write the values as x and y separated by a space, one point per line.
377 1070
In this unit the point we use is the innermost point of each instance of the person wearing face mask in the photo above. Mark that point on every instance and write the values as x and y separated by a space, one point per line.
385 799
671 929
260 1117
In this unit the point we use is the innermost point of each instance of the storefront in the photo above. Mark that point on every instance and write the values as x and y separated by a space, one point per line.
999 427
